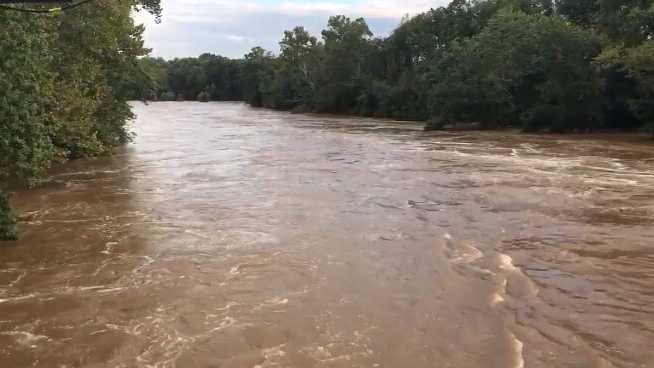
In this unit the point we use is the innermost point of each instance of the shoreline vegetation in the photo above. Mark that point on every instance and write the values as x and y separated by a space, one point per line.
534 65
63 88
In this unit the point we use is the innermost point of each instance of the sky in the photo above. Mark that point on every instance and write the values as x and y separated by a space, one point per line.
232 28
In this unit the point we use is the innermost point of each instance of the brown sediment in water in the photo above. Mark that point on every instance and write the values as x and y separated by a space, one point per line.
237 237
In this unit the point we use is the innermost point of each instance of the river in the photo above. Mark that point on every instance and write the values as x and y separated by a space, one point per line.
227 236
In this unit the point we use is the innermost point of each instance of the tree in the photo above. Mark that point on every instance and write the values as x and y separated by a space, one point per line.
63 85
26 96
295 78
150 82
221 77
531 69
638 63
629 22
342 70
256 75
580 12
26 90
187 78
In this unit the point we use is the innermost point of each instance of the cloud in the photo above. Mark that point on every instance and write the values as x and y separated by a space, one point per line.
368 9
237 38
229 28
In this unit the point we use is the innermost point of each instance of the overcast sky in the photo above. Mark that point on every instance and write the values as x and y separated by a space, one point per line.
232 28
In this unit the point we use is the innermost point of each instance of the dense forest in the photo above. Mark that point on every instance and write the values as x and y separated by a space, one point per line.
541 65
64 86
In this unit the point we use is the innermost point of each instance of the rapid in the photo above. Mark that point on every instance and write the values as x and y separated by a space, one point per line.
227 236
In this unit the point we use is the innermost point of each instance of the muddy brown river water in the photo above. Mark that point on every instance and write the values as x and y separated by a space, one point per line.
226 236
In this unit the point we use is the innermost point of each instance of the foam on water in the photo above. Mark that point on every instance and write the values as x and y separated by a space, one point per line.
18 298
87 288
245 241
27 339
461 252
109 247
111 290
197 234
274 352
517 346
224 323
498 296
506 263
277 301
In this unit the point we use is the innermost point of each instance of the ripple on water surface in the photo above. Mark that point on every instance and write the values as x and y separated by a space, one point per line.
237 237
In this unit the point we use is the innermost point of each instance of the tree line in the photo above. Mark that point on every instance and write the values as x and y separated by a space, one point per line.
65 80
540 65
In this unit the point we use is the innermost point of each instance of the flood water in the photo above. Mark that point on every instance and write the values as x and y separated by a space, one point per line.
226 236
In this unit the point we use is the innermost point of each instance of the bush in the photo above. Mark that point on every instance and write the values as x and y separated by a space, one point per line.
63 89
26 93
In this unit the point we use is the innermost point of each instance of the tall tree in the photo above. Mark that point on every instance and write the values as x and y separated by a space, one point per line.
256 75
342 71
295 80
529 69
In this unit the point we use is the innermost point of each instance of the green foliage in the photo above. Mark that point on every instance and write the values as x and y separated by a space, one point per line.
26 96
523 69
581 12
203 96
294 83
150 82
256 76
186 79
342 71
63 87
7 220
629 22
638 64
466 87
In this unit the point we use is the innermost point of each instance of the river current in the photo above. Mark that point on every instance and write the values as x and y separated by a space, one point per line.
227 236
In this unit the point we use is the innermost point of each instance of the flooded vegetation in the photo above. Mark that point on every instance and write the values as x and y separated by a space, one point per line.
227 236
